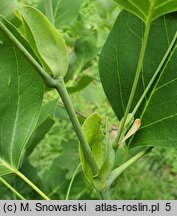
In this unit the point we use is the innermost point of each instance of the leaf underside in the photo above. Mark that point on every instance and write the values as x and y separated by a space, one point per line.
20 103
45 41
118 62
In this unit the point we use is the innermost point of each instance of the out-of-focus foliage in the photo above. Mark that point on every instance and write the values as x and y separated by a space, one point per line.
7 7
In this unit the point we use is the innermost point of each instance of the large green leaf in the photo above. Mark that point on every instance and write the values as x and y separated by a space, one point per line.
118 62
148 10
45 41
20 103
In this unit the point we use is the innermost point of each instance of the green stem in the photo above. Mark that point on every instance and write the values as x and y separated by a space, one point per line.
116 172
135 83
19 174
49 81
24 178
160 68
61 88
49 11
71 182
11 188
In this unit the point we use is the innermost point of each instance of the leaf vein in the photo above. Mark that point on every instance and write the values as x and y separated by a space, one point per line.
133 31
167 83
166 30
160 120
119 80
162 4
139 9
17 110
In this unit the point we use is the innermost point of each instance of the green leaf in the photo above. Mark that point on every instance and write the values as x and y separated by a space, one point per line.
70 151
91 130
44 124
119 57
118 63
100 181
55 183
86 47
60 113
45 41
31 173
39 134
13 29
84 81
66 12
85 50
21 99
148 10
48 109
75 66
7 7
4 191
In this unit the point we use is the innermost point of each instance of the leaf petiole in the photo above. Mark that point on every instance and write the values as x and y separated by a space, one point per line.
71 182
135 83
116 172
24 178
11 188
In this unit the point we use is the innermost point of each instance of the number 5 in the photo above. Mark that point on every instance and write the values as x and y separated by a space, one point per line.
168 207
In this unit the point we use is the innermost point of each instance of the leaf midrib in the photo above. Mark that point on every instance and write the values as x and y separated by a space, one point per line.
17 110
7 165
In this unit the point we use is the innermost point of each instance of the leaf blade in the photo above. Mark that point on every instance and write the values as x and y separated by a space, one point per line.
91 129
21 99
45 41
63 14
148 10
158 110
